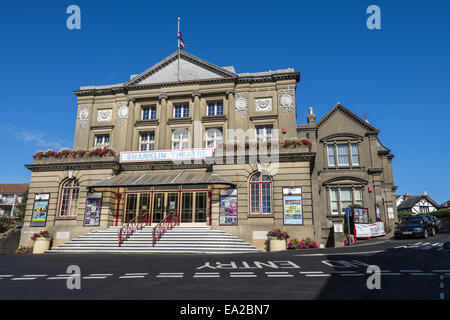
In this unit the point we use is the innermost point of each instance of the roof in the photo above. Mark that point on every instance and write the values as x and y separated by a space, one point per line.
163 178
446 204
14 187
412 200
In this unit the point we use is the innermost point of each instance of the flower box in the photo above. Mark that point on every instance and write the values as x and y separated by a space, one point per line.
277 245
41 245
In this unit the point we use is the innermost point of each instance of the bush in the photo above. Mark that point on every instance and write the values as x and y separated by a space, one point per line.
24 250
441 214
304 244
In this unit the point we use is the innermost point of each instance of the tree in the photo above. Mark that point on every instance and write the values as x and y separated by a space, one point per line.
21 208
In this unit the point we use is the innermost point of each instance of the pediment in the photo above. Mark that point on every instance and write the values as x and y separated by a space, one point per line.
190 68
342 112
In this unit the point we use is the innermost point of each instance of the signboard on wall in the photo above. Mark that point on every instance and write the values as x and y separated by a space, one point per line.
93 208
165 155
228 211
292 206
360 215
40 210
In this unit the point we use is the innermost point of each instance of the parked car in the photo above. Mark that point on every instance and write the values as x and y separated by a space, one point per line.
436 222
414 226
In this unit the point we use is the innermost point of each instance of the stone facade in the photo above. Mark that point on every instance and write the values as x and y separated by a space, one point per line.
113 116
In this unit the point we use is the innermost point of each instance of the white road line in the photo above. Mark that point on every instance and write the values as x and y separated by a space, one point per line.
352 274
13 279
58 278
336 254
243 275
136 274
391 274
319 275
409 271
310 272
35 275
131 277
344 272
170 275
279 274
101 274
6 275
92 277
440 271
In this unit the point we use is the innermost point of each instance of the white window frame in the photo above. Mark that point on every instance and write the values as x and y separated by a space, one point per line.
148 144
215 139
331 156
341 209
264 136
215 113
184 110
183 141
102 143
151 110
354 155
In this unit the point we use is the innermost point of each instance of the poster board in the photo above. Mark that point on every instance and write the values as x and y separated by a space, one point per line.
292 206
228 211
40 210
93 209
360 215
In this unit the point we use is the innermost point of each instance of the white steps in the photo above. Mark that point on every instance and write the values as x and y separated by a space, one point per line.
181 240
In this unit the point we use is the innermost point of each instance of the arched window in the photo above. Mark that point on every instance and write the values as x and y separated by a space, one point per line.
260 194
69 198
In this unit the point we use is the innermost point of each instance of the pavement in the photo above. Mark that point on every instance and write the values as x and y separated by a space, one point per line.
413 269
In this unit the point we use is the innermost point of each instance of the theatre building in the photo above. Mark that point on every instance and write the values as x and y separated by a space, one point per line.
210 147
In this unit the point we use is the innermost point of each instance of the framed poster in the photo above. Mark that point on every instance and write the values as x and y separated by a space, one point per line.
360 215
40 210
228 211
378 212
292 206
93 208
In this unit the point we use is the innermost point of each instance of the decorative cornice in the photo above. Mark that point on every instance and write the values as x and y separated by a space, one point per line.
146 123
196 93
179 121
221 118
162 96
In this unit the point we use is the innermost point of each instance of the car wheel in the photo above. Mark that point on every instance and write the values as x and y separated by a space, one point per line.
425 234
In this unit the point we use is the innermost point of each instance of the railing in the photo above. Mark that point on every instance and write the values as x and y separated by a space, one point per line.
167 224
136 224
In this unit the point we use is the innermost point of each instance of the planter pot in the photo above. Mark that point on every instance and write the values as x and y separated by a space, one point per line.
277 245
40 245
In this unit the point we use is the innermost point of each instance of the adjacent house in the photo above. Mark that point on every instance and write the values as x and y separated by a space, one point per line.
416 204
10 196
445 205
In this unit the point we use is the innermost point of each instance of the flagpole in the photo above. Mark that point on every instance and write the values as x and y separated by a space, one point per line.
178 50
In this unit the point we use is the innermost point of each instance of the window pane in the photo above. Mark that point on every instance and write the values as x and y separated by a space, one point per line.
334 201
331 161
343 154
254 194
145 113
346 198
358 197
153 113
355 154
266 200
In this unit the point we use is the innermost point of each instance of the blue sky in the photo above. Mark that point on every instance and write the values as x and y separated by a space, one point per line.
398 75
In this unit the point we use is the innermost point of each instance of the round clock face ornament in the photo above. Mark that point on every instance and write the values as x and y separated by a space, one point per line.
286 100
84 114
241 104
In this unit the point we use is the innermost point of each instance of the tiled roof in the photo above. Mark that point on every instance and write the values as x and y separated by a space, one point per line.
13 187
412 200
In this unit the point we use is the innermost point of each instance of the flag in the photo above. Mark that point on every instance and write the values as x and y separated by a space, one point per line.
181 43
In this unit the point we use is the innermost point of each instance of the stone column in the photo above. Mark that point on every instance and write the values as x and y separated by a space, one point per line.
196 138
130 128
231 113
163 121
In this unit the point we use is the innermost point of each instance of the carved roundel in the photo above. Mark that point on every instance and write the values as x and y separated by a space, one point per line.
122 112
241 103
287 100
83 115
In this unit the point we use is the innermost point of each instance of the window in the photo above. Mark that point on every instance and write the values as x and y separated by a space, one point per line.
214 138
424 209
149 113
147 141
180 139
181 111
215 109
264 133
342 151
355 154
69 198
260 194
331 154
342 198
102 140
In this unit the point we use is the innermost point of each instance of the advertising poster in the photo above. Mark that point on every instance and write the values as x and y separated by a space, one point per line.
360 215
293 214
40 210
228 207
93 208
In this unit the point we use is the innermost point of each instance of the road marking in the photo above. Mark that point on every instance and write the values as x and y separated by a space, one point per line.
310 272
170 275
272 274
409 271
319 275
93 277
101 274
13 279
35 275
344 272
336 254
242 275
391 274
207 275
136 274
58 278
352 274
426 248
6 275
440 271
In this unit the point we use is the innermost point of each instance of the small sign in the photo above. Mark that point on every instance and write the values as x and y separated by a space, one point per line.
62 235
259 235
166 155
391 216
338 227
348 212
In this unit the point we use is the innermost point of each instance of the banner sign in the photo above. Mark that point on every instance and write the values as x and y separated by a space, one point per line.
165 155
228 211
93 208
40 210
369 230
292 206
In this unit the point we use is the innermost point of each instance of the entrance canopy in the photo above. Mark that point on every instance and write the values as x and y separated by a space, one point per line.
163 178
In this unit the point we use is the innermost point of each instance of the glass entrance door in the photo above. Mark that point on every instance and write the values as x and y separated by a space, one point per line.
200 206
158 207
131 207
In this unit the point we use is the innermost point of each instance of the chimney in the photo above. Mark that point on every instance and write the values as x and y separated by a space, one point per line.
406 195
425 193
311 117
